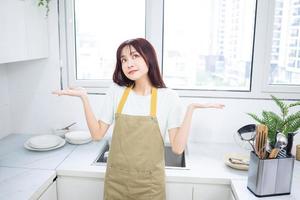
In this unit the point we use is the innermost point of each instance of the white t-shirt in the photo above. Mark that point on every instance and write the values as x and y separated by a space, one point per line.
169 108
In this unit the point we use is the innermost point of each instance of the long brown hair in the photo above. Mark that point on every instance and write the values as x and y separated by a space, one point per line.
146 50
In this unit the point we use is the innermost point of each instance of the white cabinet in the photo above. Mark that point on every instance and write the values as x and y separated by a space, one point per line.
24 31
211 192
50 193
231 196
179 191
78 188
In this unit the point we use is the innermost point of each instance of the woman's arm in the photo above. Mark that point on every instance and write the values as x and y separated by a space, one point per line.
179 136
97 128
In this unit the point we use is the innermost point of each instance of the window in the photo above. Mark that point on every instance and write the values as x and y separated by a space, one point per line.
97 38
96 30
284 70
214 49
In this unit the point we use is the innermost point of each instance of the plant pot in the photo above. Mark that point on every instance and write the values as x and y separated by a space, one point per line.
270 177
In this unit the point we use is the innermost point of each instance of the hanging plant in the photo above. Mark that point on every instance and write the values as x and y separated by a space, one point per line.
44 3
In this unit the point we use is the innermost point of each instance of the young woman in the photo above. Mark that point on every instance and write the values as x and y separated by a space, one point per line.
143 110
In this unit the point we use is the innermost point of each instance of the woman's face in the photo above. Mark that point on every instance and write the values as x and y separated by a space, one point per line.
133 65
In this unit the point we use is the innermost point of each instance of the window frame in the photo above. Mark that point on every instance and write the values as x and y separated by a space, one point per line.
259 88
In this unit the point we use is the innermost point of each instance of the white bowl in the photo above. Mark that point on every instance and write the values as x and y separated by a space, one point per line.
78 136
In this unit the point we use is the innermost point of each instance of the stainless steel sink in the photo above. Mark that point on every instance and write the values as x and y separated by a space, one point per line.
172 160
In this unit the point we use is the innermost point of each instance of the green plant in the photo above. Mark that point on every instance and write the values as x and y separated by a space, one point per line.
44 3
283 123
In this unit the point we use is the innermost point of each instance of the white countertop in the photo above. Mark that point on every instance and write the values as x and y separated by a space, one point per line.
13 154
205 163
26 174
22 183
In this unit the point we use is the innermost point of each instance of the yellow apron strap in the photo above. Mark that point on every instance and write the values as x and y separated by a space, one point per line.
123 100
153 102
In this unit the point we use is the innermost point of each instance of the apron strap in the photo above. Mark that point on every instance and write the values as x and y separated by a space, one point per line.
153 101
123 100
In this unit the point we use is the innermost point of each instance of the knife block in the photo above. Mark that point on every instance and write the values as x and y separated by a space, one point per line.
270 177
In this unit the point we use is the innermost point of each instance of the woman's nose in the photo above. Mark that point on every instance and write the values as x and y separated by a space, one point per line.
130 63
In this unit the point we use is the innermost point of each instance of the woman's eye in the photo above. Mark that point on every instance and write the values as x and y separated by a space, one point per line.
123 60
135 56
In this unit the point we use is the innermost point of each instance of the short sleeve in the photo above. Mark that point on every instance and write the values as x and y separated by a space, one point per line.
107 108
175 114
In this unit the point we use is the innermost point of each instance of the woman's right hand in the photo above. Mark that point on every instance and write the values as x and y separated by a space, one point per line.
72 91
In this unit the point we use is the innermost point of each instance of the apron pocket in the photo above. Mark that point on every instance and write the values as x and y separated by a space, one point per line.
140 185
115 187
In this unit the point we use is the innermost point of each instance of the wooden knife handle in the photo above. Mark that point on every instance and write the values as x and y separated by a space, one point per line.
274 153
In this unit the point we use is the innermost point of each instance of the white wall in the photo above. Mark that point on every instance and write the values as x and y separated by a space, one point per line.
5 127
35 111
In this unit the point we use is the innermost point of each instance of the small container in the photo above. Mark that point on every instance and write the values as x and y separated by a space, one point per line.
298 152
270 177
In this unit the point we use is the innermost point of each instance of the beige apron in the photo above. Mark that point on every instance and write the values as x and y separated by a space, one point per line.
136 164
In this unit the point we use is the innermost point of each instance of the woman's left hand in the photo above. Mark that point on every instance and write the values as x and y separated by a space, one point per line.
207 105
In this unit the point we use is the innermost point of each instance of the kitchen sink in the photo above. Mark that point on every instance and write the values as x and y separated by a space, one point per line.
172 160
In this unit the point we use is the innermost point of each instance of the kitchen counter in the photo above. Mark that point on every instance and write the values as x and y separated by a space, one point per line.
205 164
24 183
26 174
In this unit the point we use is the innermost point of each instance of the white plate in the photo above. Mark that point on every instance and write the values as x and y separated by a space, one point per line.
60 144
78 142
78 136
243 157
44 141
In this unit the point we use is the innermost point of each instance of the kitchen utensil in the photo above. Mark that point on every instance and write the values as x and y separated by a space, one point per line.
62 131
67 127
247 134
281 142
261 140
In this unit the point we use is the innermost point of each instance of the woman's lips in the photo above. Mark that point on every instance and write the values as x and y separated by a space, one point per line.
132 72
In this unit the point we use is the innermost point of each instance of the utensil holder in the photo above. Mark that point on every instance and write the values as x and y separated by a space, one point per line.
270 177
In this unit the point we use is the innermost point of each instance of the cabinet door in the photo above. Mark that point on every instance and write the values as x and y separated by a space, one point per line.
78 188
179 191
23 31
12 31
211 192
36 30
50 193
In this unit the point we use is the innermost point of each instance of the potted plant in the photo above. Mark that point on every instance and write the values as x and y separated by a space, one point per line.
44 3
283 123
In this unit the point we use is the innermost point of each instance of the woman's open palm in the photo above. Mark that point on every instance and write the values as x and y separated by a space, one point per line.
72 91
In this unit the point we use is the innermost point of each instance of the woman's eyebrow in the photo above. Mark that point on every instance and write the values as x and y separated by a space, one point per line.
132 52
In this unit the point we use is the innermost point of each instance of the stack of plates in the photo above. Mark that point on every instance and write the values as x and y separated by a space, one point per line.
44 143
78 137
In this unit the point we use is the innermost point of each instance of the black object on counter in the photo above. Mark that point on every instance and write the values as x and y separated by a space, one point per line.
289 146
